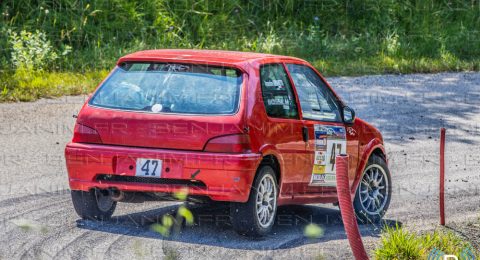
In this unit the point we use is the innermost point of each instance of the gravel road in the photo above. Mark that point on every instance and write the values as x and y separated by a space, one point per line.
37 219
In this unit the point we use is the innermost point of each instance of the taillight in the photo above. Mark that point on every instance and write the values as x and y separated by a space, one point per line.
85 134
229 144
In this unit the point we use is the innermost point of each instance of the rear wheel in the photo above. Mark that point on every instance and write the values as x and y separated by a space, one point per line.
374 191
256 217
94 204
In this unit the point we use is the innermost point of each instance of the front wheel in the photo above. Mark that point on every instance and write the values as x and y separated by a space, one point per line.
256 217
374 191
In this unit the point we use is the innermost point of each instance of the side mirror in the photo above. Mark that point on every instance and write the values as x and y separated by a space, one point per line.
348 115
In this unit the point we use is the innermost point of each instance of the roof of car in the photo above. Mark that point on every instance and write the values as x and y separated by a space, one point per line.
199 55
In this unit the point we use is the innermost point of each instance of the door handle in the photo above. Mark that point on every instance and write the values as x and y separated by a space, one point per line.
305 134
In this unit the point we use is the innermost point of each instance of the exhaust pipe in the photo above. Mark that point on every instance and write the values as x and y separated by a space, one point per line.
116 195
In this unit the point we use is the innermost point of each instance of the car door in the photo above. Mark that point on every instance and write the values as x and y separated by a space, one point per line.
328 136
283 127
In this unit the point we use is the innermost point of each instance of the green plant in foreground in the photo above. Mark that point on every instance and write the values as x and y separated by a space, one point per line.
313 231
169 222
398 243
29 225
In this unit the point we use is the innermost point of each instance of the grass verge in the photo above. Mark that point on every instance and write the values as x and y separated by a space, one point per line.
383 64
28 85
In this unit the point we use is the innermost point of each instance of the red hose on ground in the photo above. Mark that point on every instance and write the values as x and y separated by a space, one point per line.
346 208
442 176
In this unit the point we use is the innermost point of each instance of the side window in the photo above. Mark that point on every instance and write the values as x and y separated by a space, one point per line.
277 92
316 99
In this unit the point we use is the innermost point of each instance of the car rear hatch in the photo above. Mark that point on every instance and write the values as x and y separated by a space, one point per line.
155 130
165 105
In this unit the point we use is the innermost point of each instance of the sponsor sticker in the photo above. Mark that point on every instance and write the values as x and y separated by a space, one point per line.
329 142
320 158
320 144
277 84
277 101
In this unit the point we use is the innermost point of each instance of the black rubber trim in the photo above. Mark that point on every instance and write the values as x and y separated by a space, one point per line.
150 180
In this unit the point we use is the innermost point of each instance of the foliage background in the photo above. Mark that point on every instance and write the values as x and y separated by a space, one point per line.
340 37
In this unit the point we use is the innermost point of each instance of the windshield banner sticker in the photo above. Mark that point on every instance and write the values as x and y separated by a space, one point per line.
330 141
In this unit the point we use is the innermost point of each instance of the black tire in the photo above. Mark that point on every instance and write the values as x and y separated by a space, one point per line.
244 217
86 204
376 165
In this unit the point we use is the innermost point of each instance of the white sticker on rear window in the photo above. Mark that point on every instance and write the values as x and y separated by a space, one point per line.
277 101
157 108
277 83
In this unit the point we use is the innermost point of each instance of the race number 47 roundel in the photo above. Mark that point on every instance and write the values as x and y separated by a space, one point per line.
330 141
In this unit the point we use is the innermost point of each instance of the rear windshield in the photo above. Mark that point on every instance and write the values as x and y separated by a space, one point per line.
171 88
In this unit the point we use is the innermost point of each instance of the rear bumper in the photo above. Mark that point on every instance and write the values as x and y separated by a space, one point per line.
222 177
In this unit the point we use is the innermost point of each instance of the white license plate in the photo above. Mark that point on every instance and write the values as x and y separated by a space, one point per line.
148 168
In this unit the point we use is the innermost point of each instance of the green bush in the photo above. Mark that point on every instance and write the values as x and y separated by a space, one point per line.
31 51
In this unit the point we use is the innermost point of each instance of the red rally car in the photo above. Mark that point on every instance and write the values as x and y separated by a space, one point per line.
256 130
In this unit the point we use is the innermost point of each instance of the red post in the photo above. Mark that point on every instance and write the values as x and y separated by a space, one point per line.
442 176
346 208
